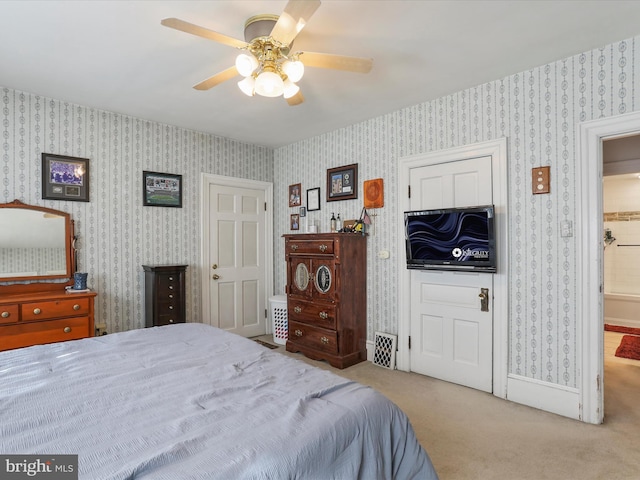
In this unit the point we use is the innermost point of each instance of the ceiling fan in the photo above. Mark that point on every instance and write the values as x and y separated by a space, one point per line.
268 65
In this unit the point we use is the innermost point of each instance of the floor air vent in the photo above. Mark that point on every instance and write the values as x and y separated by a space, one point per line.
385 350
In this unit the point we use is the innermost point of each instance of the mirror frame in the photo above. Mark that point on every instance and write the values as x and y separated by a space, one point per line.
39 282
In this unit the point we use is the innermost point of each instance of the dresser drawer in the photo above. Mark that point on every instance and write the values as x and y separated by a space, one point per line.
324 246
316 338
9 313
316 314
49 331
54 309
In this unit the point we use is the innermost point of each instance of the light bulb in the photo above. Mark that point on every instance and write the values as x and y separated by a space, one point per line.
269 84
247 85
290 88
246 64
293 70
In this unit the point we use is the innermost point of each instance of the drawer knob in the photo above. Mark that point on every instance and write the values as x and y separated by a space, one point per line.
294 247
171 295
170 287
324 340
171 278
76 307
323 248
37 311
324 315
66 329
298 333
6 314
171 320
297 309
170 307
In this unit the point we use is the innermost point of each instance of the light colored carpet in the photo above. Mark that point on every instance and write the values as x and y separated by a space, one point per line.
474 435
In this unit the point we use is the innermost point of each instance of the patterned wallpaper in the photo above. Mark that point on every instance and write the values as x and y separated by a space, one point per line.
40 261
538 111
116 233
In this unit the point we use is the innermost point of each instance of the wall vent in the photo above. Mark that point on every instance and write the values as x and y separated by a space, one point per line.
384 354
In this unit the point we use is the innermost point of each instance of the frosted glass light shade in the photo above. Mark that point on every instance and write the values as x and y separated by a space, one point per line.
293 70
290 89
247 85
246 64
269 84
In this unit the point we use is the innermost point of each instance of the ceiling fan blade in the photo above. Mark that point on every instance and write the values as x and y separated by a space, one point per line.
218 78
187 27
293 19
297 99
337 62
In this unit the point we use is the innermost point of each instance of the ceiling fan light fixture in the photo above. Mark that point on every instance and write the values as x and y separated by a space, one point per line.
290 88
246 64
293 69
247 85
269 84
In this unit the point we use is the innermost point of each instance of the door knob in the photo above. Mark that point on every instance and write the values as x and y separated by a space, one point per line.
214 266
215 276
484 299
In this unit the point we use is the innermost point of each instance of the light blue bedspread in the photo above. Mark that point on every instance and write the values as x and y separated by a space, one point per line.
191 401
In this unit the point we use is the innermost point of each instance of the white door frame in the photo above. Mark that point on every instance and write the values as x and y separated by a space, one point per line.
497 149
589 256
208 179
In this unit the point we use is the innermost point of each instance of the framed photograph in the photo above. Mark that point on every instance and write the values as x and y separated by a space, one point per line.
294 195
303 212
161 189
342 183
295 221
313 199
65 178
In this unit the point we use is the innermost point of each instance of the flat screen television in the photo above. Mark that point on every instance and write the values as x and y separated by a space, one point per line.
451 239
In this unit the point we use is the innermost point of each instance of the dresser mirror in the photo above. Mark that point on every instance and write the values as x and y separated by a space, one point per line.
36 244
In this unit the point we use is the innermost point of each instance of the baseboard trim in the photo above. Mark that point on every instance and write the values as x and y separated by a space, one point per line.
546 396
622 322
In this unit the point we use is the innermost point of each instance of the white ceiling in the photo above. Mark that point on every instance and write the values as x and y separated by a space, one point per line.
115 55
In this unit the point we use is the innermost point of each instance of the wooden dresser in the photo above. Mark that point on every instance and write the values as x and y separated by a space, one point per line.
45 317
164 294
327 296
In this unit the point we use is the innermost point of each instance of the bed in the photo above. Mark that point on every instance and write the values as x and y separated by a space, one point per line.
190 401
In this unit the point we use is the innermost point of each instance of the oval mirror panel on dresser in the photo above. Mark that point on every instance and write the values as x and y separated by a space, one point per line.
37 263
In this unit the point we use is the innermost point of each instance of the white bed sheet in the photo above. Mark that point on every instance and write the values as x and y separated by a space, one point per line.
191 401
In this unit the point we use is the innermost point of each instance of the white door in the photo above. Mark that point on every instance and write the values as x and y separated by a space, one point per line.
451 338
235 258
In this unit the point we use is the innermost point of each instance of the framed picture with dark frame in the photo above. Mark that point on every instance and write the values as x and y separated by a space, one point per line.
295 197
161 189
342 183
313 199
65 178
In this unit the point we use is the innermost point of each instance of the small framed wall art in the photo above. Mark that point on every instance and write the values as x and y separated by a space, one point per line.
342 183
65 178
161 189
295 221
313 199
294 195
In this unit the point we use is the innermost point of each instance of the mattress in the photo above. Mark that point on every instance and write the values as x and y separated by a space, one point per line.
190 401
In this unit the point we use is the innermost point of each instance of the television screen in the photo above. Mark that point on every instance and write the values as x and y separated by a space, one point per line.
451 239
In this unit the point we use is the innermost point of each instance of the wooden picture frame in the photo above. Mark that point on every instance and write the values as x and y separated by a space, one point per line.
342 183
295 196
313 199
295 221
65 178
161 189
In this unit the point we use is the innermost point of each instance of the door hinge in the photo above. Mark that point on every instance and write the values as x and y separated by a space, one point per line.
265 313
409 191
409 342
265 206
